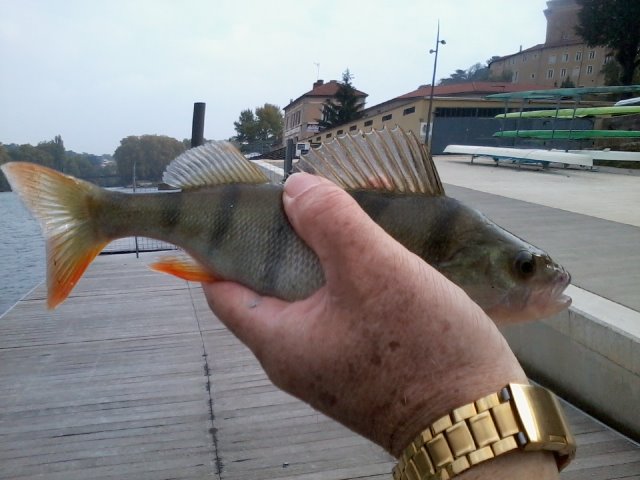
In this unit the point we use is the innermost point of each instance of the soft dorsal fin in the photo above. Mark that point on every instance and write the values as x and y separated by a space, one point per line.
386 160
214 163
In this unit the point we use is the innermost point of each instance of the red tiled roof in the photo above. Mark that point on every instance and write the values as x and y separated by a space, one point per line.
328 89
475 88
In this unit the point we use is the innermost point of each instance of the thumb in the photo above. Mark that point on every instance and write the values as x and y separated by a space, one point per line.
334 226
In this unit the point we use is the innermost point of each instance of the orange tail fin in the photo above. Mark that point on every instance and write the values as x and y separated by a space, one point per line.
60 204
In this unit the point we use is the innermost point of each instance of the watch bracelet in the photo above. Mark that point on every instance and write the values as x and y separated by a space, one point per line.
469 435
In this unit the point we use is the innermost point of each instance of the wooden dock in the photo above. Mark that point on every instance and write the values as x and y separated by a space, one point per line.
134 378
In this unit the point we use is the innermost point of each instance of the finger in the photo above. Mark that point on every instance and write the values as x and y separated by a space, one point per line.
250 316
332 223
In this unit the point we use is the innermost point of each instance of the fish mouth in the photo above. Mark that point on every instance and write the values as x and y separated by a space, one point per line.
537 303
546 302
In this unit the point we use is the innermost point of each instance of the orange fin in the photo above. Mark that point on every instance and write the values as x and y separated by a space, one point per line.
65 267
61 204
183 267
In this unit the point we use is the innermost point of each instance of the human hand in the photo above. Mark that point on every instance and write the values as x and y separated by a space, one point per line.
387 345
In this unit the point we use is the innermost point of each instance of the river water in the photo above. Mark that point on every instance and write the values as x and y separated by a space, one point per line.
22 256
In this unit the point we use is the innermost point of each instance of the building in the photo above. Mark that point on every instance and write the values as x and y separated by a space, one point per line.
301 116
460 113
562 57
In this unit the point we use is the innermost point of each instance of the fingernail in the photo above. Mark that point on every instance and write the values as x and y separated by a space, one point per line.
299 183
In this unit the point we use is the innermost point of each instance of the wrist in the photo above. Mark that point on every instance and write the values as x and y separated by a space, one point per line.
520 418
426 405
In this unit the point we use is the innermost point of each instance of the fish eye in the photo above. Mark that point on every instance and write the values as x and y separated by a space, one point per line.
525 264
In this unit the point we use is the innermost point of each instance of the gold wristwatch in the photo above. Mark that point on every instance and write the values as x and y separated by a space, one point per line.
524 417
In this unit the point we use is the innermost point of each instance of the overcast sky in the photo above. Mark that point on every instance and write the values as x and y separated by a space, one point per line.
96 71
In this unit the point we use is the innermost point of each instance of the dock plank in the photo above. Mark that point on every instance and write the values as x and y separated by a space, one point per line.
117 383
92 390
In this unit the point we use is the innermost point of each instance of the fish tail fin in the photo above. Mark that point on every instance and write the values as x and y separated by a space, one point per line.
62 206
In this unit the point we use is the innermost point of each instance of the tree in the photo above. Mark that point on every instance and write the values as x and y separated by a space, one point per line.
246 127
476 73
4 158
57 151
612 72
28 153
613 24
150 153
270 123
346 106
262 128
83 165
52 154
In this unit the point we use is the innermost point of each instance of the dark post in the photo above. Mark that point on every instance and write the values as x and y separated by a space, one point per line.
134 191
433 83
197 128
288 158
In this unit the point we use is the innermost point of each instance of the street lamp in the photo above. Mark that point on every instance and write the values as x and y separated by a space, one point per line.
433 81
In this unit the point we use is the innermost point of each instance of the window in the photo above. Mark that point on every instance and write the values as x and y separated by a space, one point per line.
386 117
318 139
592 54
552 59
578 56
339 132
589 69
524 58
328 135
607 59
550 73
565 57
368 123
514 77
409 111
352 128
563 73
533 75
468 112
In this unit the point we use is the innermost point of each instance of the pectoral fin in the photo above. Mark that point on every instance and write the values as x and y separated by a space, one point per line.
183 267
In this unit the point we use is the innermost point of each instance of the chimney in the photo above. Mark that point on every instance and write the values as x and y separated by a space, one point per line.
317 83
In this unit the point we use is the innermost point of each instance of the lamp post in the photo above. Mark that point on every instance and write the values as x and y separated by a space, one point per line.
433 81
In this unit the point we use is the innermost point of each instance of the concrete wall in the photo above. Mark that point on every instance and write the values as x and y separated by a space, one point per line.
590 355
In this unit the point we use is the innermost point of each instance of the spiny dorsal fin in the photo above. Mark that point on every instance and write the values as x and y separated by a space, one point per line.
387 160
214 163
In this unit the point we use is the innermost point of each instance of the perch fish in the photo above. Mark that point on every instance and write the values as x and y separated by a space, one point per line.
230 221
